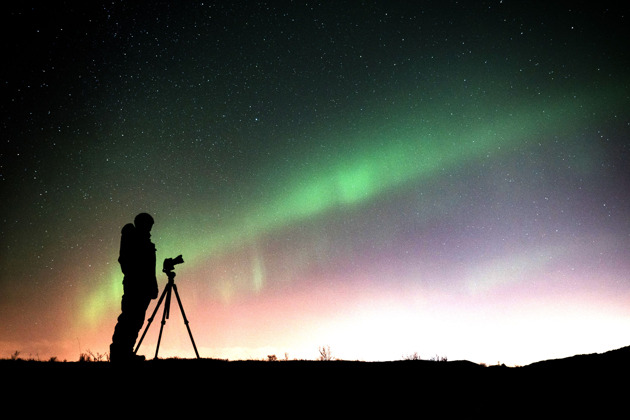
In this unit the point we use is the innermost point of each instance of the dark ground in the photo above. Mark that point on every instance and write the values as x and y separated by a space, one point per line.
594 384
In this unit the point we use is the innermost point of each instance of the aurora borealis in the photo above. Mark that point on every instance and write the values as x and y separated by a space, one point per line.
383 178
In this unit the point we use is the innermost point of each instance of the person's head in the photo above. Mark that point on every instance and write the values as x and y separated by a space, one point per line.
143 222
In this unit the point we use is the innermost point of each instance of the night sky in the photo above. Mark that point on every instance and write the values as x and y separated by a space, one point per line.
385 178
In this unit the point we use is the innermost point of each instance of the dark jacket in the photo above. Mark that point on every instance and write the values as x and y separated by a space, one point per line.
137 261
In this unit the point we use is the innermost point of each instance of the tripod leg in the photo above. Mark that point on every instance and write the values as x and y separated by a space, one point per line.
151 319
181 307
164 315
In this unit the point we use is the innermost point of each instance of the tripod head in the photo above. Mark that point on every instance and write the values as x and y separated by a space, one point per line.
169 265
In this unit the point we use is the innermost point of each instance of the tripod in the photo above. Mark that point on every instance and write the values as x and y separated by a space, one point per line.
170 286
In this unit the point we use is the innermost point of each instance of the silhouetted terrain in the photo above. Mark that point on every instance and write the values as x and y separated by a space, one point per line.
614 359
619 357
573 384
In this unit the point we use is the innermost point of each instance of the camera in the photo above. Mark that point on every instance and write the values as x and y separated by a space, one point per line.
170 263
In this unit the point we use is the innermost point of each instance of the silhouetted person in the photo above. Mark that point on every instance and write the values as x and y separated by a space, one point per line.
137 261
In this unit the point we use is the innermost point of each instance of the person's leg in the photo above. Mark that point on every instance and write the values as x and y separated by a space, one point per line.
129 323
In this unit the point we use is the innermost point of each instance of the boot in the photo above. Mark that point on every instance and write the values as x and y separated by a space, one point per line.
118 355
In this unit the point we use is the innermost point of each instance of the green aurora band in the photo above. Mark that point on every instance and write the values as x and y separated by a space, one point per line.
381 160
